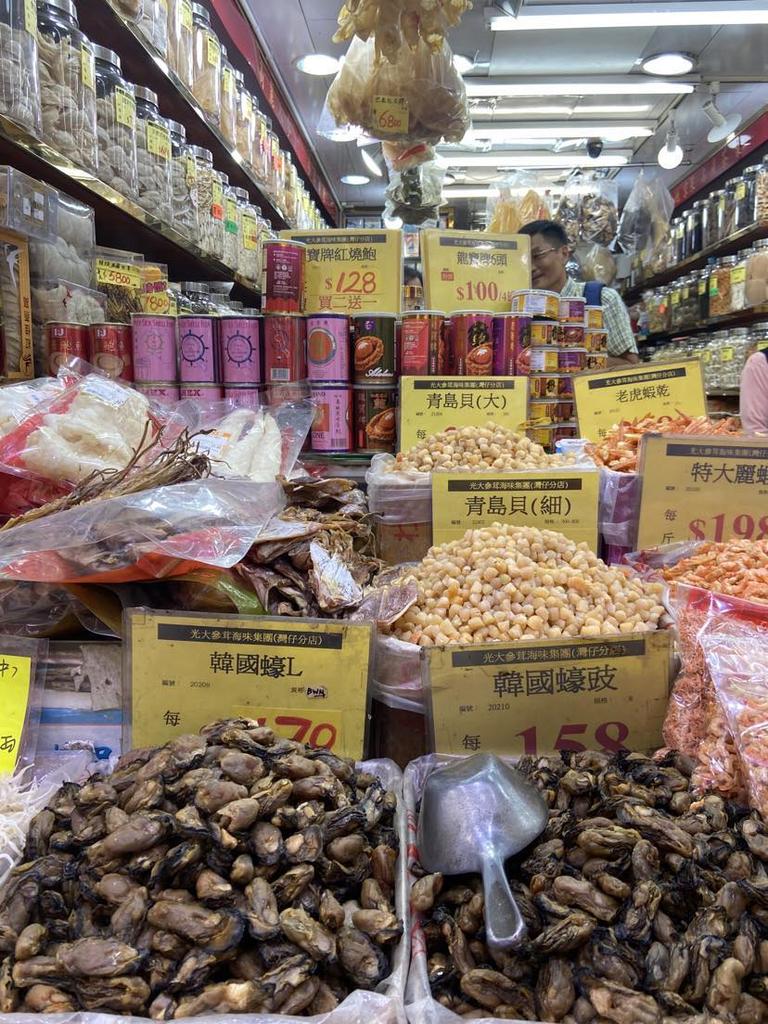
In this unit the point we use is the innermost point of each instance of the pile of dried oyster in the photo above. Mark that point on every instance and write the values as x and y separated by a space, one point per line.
226 872
644 905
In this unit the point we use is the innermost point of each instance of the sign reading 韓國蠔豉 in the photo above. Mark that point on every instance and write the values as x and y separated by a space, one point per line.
431 404
305 678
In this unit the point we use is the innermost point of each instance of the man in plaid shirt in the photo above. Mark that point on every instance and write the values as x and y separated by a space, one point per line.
550 253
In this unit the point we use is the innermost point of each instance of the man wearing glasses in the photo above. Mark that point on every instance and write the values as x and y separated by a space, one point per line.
550 252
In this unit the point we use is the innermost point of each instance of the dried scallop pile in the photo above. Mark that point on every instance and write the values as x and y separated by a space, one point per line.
230 872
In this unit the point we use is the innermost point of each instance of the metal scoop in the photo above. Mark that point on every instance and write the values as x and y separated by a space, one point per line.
474 815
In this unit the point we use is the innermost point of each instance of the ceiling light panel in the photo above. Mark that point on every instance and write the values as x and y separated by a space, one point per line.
628 86
501 160
561 130
634 15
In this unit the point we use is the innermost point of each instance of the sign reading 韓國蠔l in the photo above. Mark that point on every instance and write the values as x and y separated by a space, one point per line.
702 488
305 678
606 397
565 501
473 269
602 693
351 271
431 404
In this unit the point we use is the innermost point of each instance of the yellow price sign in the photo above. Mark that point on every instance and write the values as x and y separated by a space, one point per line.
703 488
599 693
352 271
123 275
186 15
159 141
305 677
606 397
390 114
87 67
30 16
431 404
250 232
125 108
474 270
15 683
212 51
561 500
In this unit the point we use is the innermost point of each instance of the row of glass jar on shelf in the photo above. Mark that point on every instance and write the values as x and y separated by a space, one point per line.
70 93
728 286
723 353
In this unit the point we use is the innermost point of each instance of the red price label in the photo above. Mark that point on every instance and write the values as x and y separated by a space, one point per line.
610 736
723 527
353 282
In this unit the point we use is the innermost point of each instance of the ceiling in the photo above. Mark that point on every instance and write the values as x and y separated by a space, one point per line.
732 54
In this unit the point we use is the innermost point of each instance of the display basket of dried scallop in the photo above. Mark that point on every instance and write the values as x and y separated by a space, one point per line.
232 872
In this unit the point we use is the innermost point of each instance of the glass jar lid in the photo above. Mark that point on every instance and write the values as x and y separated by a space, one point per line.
65 6
106 56
176 128
202 154
147 95
241 194
202 13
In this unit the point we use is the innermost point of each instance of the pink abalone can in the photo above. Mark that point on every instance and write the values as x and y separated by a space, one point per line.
198 363
332 426
244 397
154 347
165 394
201 392
240 345
328 348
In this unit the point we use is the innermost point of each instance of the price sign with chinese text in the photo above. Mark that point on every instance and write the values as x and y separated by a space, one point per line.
601 693
352 271
605 397
431 404
122 275
15 683
565 502
474 270
305 678
702 488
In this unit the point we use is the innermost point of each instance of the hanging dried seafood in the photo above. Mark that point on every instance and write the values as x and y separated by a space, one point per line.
222 873
395 23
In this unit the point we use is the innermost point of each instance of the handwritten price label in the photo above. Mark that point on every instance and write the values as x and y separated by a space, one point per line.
125 109
159 141
390 114
465 269
15 681
605 692
707 488
122 275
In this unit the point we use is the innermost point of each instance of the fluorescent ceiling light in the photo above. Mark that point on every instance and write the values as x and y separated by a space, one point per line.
635 15
463 64
355 179
668 64
576 87
371 164
599 108
320 64
536 160
559 129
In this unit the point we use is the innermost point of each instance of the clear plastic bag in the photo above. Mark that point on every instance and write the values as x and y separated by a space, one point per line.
644 223
568 212
415 194
395 24
403 156
520 201
599 211
595 263
618 511
153 534
420 97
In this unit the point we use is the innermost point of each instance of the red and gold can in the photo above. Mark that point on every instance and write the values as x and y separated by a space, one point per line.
111 348
510 337
572 335
64 342
543 332
375 418
422 344
283 276
471 342
285 348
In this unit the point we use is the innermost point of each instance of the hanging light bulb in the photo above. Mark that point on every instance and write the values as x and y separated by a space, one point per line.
671 153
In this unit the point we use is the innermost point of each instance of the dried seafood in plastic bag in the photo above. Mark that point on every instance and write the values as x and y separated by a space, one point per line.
394 23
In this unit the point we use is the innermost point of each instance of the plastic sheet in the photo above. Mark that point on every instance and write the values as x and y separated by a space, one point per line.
152 534
520 200
402 506
644 224
618 511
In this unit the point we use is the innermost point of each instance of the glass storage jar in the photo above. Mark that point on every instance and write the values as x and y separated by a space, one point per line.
744 199
738 281
196 297
720 286
19 86
678 240
291 191
694 229
153 25
730 206
756 284
183 183
218 183
131 10
719 213
228 119
232 228
115 124
689 302
702 295
708 222
261 146
206 77
758 338
274 160
761 192
243 119
153 155
180 40
249 264
67 83
675 306
204 185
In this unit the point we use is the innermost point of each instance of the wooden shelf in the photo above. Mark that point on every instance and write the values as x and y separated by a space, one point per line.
727 247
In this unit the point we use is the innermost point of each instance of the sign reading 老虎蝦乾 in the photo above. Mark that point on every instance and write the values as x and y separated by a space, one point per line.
598 693
702 488
566 502
431 404
15 682
352 272
474 270
606 397
305 678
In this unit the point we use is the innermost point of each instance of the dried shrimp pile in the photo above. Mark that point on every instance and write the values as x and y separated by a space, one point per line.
643 905
491 447
519 583
620 448
230 872
398 22
738 568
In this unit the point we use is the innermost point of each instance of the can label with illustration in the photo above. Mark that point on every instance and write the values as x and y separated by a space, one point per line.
240 345
111 350
471 343
285 349
332 426
551 385
594 318
535 302
572 310
375 418
375 348
422 344
283 276
64 342
154 347
328 348
197 350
